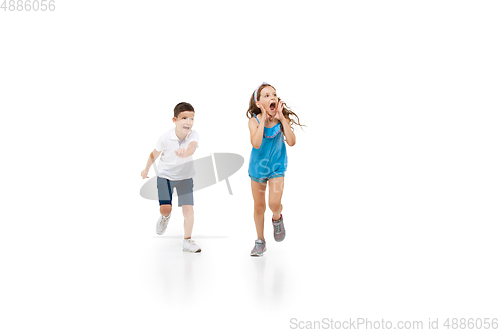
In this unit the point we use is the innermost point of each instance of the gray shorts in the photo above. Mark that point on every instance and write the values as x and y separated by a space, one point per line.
184 191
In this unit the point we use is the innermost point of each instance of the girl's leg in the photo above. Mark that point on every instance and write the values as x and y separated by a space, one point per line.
259 206
188 212
275 194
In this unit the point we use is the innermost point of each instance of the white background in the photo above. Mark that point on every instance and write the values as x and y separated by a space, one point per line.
391 195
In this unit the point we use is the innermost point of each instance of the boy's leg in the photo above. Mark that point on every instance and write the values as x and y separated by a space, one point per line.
165 200
162 222
164 196
165 210
188 212
259 206
185 198
189 245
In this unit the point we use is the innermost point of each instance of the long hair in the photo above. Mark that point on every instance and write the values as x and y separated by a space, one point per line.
254 109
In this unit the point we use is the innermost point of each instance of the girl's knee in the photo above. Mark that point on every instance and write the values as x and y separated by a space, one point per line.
275 206
165 210
260 208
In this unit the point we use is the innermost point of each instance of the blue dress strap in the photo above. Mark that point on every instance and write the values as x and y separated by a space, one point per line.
256 118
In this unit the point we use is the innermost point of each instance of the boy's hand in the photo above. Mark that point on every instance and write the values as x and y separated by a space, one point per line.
181 152
144 174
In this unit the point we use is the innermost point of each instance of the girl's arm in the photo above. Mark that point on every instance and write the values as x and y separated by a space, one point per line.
256 132
152 157
287 130
285 124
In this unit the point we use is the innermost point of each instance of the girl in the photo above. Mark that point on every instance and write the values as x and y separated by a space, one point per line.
270 127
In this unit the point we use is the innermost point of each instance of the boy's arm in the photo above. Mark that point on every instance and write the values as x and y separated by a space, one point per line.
188 151
152 157
191 148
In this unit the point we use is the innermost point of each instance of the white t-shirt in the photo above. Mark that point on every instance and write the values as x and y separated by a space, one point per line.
171 166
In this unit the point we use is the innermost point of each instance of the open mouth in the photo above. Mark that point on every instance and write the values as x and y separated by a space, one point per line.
272 106
186 127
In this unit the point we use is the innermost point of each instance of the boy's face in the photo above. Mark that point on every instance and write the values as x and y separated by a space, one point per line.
184 121
269 100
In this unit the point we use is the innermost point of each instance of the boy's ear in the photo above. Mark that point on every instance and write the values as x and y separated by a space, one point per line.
174 119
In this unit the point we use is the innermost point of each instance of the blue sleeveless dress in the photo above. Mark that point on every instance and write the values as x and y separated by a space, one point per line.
270 160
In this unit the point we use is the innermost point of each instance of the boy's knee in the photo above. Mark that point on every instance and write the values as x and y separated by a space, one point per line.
165 210
187 210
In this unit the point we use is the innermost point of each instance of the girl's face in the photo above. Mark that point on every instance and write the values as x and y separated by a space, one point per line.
268 100
184 121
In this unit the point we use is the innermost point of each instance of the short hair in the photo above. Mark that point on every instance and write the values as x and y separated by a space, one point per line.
183 106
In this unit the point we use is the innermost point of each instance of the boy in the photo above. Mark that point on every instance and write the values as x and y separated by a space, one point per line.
175 170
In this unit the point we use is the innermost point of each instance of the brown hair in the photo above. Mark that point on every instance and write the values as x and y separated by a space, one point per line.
254 109
183 106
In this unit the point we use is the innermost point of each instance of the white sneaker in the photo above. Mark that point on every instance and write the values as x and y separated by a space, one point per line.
190 246
162 223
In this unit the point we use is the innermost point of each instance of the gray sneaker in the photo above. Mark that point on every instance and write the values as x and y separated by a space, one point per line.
259 248
162 223
279 229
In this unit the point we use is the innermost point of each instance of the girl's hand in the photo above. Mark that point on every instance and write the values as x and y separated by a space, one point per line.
180 152
279 112
263 111
266 117
144 174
